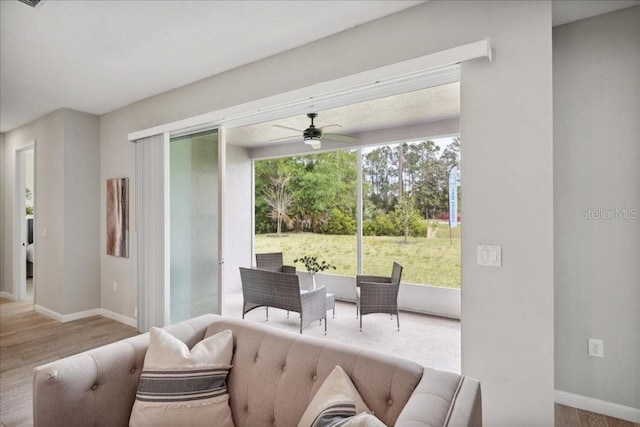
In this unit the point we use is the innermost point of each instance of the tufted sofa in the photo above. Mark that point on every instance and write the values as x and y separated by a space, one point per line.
275 374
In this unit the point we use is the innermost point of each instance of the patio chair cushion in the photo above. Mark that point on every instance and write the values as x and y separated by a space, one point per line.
336 399
182 387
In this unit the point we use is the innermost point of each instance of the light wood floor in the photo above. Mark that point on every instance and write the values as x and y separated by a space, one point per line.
572 417
28 339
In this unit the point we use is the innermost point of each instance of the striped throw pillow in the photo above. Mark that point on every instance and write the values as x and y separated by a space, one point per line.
338 404
182 387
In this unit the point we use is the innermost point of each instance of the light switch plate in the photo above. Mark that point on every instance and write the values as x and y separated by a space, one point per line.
490 255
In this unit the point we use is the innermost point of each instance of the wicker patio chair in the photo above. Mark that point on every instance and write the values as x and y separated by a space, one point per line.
378 294
273 262
262 288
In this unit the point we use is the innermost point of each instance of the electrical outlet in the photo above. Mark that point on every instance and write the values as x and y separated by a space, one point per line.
115 286
596 347
135 313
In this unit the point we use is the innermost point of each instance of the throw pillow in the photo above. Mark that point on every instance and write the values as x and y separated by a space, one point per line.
338 403
182 387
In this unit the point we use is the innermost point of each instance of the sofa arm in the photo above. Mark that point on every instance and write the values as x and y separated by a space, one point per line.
443 399
93 388
98 387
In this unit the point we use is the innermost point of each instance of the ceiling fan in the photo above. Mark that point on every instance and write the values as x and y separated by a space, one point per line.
313 135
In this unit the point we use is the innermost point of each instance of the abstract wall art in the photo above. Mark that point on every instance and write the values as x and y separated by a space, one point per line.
118 217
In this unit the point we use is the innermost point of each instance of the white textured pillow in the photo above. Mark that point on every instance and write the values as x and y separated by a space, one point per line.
338 402
182 387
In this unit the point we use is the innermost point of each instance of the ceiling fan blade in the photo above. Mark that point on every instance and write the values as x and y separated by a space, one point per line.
339 138
293 137
329 126
287 127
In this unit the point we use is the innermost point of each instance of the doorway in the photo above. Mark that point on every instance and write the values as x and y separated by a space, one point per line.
24 227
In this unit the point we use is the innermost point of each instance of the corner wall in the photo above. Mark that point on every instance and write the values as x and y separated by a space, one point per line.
597 187
67 268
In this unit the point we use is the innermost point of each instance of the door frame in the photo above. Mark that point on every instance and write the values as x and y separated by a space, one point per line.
19 221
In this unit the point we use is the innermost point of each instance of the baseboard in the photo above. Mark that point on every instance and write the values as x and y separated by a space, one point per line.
46 312
7 295
119 318
596 405
63 318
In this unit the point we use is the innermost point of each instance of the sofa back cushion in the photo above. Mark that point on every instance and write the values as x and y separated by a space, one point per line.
276 374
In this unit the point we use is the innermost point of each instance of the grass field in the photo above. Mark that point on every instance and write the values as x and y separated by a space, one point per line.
433 261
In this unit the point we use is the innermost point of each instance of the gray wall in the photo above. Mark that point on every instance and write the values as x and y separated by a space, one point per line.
82 188
597 166
66 274
507 313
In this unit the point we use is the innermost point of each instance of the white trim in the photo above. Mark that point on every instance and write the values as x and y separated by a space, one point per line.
64 318
596 405
222 161
7 295
130 321
432 70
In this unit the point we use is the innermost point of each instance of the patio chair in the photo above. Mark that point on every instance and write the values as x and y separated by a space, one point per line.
273 262
262 288
378 294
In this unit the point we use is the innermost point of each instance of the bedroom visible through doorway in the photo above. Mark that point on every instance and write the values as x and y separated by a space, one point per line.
24 223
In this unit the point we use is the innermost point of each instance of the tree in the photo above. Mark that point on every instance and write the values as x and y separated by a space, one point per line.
406 214
279 199
378 170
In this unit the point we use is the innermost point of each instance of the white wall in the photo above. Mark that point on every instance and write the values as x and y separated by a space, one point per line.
597 166
506 134
66 164
239 216
507 318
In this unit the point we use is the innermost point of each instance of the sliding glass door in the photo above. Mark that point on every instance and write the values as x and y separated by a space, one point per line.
194 225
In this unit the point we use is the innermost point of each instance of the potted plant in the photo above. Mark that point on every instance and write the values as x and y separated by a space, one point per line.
313 266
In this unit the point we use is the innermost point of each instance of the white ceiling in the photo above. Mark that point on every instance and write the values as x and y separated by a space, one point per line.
97 56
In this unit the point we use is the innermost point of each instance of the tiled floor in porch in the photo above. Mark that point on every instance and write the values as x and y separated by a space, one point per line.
429 340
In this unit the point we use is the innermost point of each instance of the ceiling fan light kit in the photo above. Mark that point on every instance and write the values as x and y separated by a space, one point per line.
312 135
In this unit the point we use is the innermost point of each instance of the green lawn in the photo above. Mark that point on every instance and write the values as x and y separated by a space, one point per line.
426 261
